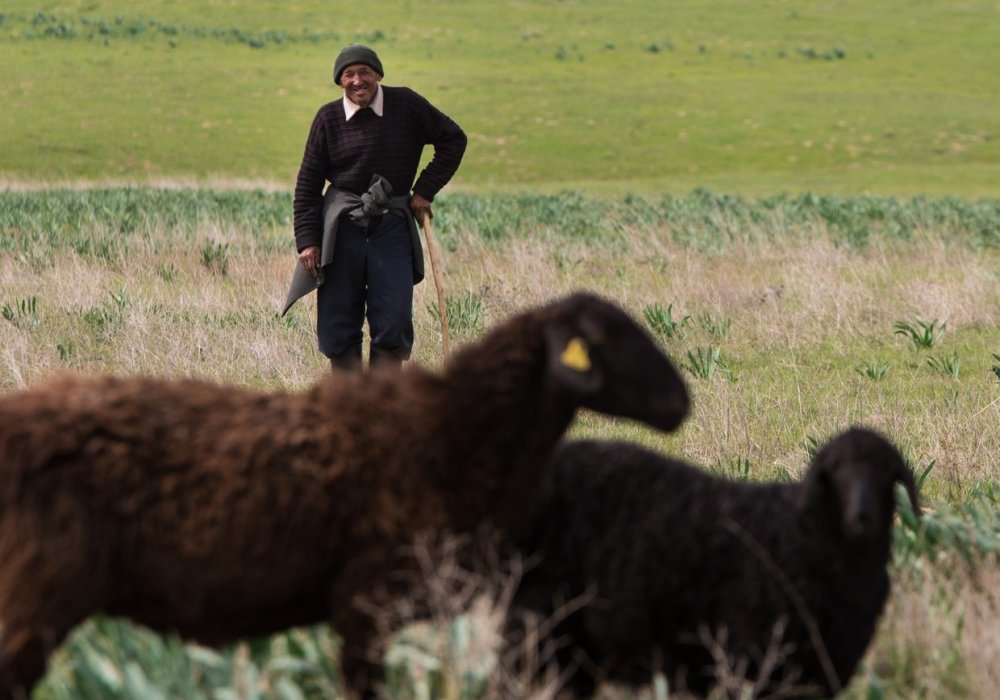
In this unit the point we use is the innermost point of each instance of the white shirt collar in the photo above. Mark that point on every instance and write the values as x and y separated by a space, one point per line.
350 109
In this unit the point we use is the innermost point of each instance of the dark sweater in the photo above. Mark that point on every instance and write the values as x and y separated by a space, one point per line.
348 153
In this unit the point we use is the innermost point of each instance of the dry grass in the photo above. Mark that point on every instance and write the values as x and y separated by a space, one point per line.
803 317
939 634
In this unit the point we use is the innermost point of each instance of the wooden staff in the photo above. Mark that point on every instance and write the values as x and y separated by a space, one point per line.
436 266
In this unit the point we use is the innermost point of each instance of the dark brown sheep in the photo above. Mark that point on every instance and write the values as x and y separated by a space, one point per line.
220 512
678 564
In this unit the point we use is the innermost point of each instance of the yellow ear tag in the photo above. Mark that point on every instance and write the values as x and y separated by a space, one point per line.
575 355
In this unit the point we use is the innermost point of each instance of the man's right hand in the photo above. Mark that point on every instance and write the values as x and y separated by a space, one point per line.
309 257
420 208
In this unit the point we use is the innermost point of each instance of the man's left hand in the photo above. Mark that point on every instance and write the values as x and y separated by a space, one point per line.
420 207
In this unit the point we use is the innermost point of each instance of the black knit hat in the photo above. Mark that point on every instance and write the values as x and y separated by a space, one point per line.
356 53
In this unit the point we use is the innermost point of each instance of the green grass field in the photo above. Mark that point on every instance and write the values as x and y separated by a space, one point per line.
846 97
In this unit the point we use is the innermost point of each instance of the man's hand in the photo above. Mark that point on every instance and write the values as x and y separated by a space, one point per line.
419 207
309 257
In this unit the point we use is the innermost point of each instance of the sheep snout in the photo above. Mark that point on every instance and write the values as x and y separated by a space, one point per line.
861 517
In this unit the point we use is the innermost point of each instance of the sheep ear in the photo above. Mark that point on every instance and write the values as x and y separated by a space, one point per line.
571 364
904 475
816 486
820 492
843 511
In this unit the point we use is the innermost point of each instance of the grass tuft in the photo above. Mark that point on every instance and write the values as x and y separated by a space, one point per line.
706 362
23 314
946 364
662 320
923 334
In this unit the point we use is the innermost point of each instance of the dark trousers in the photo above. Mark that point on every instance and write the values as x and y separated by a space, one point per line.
371 274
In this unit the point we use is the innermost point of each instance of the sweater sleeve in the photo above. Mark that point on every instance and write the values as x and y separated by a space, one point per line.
307 207
449 142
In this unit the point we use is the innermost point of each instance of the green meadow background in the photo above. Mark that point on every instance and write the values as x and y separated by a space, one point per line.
847 96
800 200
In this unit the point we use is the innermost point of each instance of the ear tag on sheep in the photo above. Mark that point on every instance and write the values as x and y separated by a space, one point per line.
575 355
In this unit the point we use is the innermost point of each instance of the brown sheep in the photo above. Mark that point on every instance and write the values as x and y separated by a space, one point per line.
219 512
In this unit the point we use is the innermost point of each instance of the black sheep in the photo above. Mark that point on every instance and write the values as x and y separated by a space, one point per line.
677 564
221 512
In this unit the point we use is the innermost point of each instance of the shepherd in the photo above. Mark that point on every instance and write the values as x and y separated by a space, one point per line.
358 244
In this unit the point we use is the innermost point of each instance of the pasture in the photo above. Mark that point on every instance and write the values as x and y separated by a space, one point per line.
800 201
792 317
846 97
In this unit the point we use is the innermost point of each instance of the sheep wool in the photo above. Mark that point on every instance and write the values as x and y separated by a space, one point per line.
221 512
680 572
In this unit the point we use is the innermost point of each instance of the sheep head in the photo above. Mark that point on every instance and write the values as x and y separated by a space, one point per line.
600 358
852 481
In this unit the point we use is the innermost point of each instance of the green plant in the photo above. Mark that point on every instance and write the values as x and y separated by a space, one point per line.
705 362
465 313
781 474
662 320
167 271
996 368
109 314
970 529
873 370
24 314
715 327
812 445
921 472
735 468
923 334
65 350
215 256
945 364
116 660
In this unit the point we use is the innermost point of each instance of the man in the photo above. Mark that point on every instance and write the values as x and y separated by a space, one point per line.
358 245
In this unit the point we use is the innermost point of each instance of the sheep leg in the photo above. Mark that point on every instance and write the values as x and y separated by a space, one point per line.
360 671
22 664
360 652
535 656
52 577
35 618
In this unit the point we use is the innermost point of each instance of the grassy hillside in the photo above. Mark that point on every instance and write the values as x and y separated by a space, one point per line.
845 96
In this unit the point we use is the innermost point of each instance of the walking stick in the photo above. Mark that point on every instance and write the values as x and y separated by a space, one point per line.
432 249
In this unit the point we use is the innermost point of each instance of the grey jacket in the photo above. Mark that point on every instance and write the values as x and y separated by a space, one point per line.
375 202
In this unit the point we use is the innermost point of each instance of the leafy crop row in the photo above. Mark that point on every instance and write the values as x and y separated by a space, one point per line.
702 220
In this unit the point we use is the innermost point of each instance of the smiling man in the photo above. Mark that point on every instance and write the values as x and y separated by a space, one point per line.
359 242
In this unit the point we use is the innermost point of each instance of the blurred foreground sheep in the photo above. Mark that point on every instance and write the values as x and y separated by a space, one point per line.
220 512
706 580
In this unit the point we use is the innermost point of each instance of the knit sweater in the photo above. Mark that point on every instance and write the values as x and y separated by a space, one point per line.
348 153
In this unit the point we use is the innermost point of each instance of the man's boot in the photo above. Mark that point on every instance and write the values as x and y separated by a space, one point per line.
347 361
383 359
